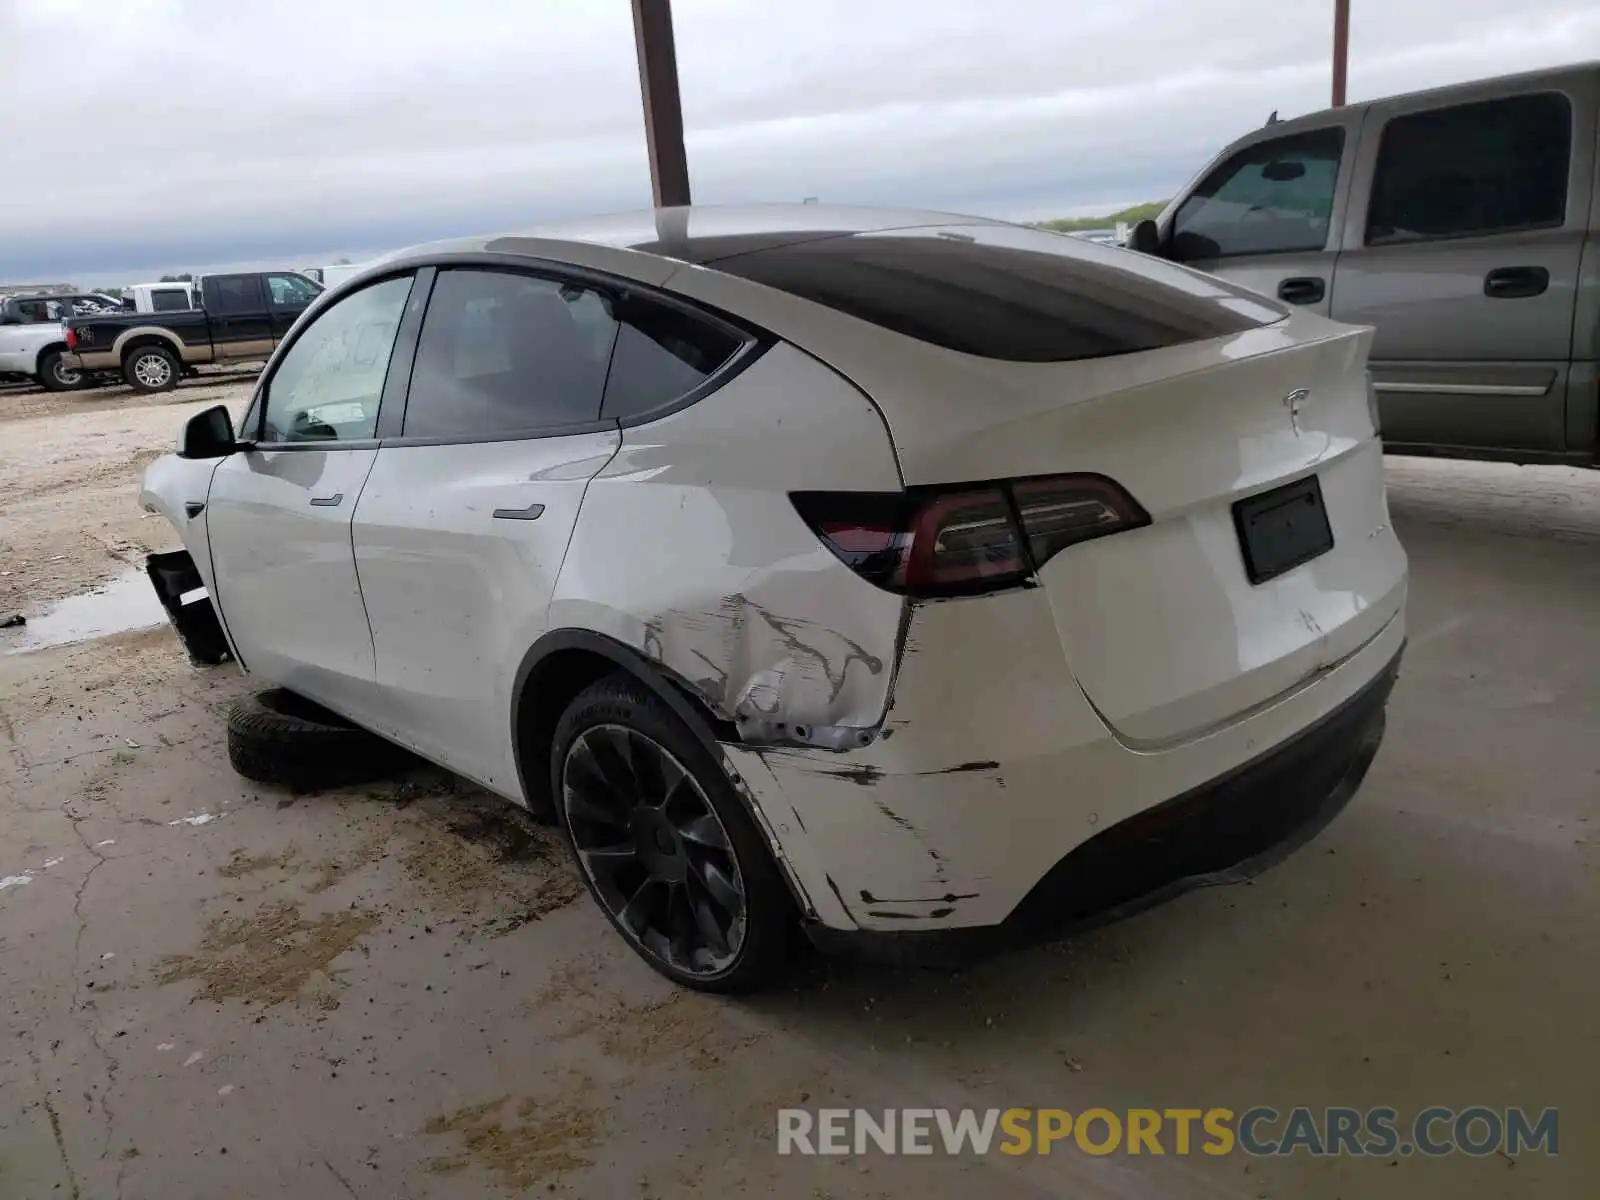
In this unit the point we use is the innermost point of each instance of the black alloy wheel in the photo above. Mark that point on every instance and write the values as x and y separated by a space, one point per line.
665 844
654 849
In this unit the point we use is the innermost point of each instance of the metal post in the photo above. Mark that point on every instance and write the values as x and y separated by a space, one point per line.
1341 48
663 111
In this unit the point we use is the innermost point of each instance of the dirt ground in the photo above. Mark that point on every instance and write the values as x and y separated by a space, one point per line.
70 464
213 988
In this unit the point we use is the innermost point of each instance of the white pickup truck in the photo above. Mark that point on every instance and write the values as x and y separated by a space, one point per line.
32 337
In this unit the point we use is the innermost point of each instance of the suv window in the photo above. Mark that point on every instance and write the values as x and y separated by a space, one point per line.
328 384
1273 197
1489 167
999 291
38 312
502 354
235 295
169 299
662 354
291 291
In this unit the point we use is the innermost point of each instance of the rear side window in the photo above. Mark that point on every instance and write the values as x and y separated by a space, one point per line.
235 295
662 354
1492 167
1275 197
169 300
1006 292
503 354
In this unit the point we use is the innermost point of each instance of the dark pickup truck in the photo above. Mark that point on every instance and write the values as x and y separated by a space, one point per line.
241 318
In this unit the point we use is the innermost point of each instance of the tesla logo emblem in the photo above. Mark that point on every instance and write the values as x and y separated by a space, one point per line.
1293 402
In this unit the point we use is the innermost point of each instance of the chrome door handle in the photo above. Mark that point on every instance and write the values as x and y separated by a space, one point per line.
531 513
332 501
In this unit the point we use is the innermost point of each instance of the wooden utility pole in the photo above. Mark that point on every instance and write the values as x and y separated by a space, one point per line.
1341 48
663 110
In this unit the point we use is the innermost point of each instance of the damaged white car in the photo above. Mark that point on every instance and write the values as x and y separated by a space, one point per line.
922 581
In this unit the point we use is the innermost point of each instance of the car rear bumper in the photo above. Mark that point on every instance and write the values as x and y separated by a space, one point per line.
1225 831
993 767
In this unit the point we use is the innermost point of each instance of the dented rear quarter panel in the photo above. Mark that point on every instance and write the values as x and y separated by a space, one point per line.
991 768
689 550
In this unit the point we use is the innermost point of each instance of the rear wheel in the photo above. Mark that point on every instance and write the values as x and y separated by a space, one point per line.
56 376
665 844
151 369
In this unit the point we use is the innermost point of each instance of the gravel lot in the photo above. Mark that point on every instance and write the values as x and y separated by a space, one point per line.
212 988
70 464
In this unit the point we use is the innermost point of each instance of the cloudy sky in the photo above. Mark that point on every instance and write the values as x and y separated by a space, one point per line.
152 135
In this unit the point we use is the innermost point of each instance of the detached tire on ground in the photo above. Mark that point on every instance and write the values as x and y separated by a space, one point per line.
280 738
56 377
151 368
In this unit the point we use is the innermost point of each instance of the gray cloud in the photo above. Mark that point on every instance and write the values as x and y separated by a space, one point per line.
185 132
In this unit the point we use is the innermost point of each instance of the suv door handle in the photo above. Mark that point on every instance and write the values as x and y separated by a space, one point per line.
332 501
1304 290
1515 283
531 513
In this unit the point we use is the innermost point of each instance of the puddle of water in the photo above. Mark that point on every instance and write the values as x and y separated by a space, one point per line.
127 602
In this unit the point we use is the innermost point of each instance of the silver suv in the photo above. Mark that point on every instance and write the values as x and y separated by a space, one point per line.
1460 223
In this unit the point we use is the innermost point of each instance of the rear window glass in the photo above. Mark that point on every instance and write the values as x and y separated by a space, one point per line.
1005 292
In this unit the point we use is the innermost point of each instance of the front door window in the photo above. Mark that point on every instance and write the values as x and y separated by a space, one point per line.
1274 197
327 386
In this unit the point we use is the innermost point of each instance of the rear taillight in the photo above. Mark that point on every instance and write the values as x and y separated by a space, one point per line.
956 541
72 338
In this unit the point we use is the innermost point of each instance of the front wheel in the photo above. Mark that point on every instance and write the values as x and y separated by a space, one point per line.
151 369
56 376
665 844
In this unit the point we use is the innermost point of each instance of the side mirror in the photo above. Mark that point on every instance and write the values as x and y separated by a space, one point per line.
208 435
1145 237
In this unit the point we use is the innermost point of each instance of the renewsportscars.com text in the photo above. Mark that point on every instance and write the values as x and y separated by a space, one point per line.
1261 1131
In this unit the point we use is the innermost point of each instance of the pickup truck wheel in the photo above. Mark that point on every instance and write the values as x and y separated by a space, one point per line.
280 738
151 369
56 376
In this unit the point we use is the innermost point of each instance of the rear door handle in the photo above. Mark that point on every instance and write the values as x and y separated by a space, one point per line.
1515 283
531 513
1305 290
332 501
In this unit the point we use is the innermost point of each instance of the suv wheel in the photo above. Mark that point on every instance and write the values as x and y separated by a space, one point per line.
664 843
56 376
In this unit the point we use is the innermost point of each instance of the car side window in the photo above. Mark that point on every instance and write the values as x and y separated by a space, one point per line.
1489 167
169 300
291 291
235 295
327 385
662 354
1270 198
502 354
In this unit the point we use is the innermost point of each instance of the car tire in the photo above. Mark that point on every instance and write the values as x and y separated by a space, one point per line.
54 376
757 942
151 369
280 738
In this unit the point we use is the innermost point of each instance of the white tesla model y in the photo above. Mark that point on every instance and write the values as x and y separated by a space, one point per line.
922 581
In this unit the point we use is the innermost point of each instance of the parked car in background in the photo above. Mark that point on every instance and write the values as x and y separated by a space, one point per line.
33 341
337 273
1461 223
159 297
241 317
924 580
